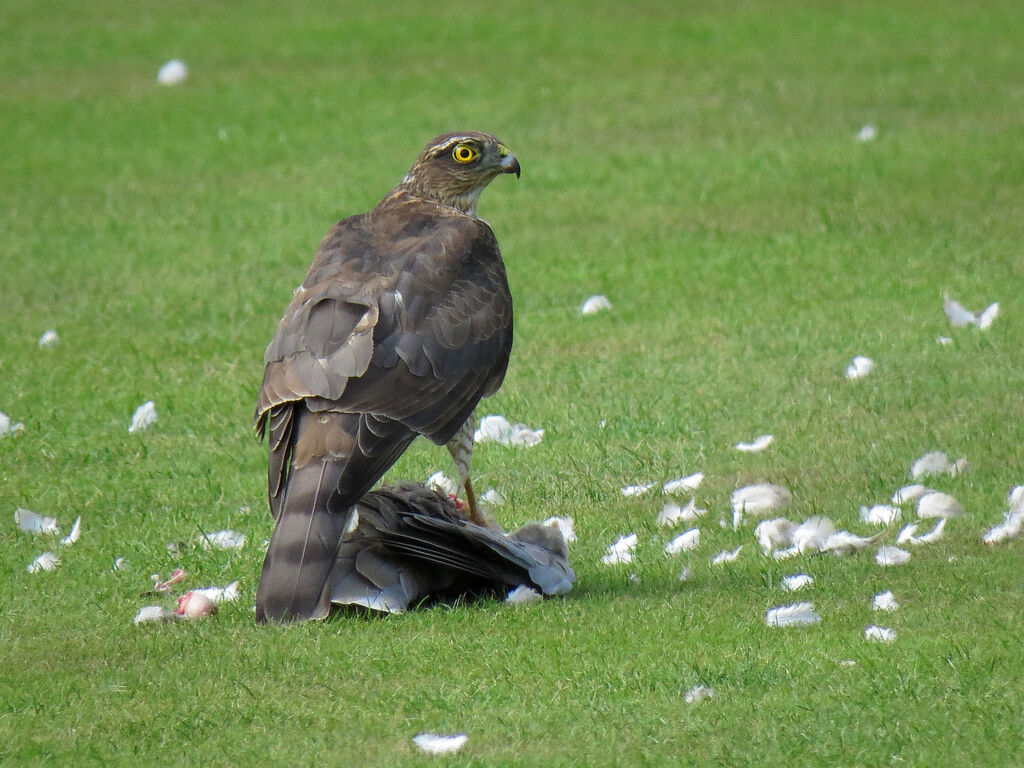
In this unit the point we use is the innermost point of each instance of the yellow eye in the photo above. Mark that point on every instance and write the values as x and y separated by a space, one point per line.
465 153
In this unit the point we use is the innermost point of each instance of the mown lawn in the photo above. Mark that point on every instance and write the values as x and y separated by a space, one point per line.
695 162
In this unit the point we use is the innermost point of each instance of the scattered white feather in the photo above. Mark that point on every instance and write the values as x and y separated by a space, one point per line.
45 562
636 490
988 316
684 484
867 133
492 496
880 634
226 539
498 429
49 340
685 574
847 663
443 484
758 500
957 314
797 581
960 316
933 463
172 73
889 555
884 601
684 542
119 564
725 556
672 514
437 744
943 341
860 367
907 533
937 463
928 538
936 504
698 693
219 594
152 613
785 554
30 522
812 533
144 415
7 428
596 304
621 551
565 526
1004 531
880 514
523 595
1009 528
776 533
1016 497
794 615
910 493
756 445
846 543
76 531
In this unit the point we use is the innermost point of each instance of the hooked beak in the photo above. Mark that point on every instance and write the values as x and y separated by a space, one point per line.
508 163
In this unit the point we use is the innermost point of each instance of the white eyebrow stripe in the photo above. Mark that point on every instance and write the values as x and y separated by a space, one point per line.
450 143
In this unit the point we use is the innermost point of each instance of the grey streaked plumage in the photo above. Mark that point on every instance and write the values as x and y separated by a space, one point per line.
410 543
402 324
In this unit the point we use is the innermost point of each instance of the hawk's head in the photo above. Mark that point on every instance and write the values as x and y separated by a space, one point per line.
455 168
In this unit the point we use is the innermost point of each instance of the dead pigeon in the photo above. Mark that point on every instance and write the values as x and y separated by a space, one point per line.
411 543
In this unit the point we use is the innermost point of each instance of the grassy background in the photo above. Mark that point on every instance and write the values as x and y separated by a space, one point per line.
695 162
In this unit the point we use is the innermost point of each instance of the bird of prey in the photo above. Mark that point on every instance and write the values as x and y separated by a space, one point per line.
410 542
402 324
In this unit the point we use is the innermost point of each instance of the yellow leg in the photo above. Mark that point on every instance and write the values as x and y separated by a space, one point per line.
474 510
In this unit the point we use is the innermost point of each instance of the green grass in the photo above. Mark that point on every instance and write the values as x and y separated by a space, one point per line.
695 162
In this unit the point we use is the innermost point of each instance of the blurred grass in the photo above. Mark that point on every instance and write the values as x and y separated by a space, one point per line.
695 162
